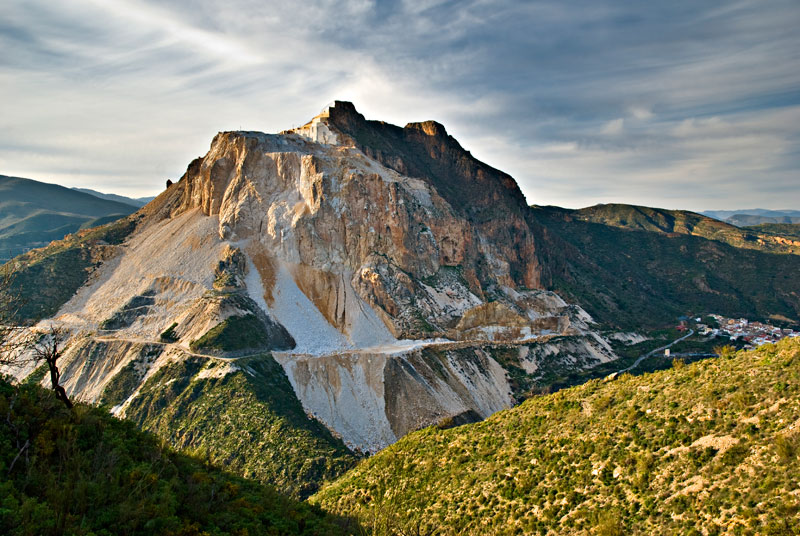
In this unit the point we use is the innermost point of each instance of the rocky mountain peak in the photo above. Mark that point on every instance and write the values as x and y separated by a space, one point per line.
355 252
430 128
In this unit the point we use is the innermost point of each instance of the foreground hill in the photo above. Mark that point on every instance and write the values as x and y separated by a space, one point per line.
706 448
85 472
33 213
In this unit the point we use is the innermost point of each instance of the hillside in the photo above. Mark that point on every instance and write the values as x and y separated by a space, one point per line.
750 219
244 417
383 306
33 213
320 293
643 277
707 448
682 222
45 278
786 230
84 472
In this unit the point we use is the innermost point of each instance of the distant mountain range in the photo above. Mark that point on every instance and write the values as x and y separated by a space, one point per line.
754 216
136 202
33 213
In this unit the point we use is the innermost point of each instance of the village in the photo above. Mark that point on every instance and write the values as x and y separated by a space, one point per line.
753 334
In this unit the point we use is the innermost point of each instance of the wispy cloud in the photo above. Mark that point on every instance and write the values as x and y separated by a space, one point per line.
682 104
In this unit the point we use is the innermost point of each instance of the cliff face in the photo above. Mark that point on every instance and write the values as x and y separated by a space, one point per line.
384 268
486 197
348 219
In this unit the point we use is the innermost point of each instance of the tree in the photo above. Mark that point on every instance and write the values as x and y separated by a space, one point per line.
19 345
49 347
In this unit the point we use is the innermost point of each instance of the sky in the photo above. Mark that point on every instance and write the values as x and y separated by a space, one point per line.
674 104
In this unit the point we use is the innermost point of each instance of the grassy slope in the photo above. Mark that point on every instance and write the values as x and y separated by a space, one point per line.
34 213
639 279
44 279
250 421
85 472
710 446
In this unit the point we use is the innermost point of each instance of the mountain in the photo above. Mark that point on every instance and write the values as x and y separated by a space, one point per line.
755 216
682 222
33 213
85 472
710 447
329 302
136 202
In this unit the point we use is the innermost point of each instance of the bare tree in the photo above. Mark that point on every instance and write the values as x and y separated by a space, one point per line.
20 346
49 347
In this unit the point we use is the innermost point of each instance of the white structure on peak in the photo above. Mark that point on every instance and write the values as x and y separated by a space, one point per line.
317 130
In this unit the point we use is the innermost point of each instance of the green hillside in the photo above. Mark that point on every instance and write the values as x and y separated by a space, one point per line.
247 419
83 472
34 213
707 448
681 222
45 278
788 230
639 278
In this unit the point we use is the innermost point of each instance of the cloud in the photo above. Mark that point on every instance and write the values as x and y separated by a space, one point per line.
683 104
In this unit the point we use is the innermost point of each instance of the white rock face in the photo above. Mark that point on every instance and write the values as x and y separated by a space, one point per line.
372 399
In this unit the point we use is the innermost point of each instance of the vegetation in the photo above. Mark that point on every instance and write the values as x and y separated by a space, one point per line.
169 335
243 415
643 279
791 230
83 472
46 278
711 445
681 222
33 213
233 334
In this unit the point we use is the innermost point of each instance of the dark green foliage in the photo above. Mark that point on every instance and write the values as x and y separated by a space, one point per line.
249 420
82 472
168 335
232 334
121 386
36 376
